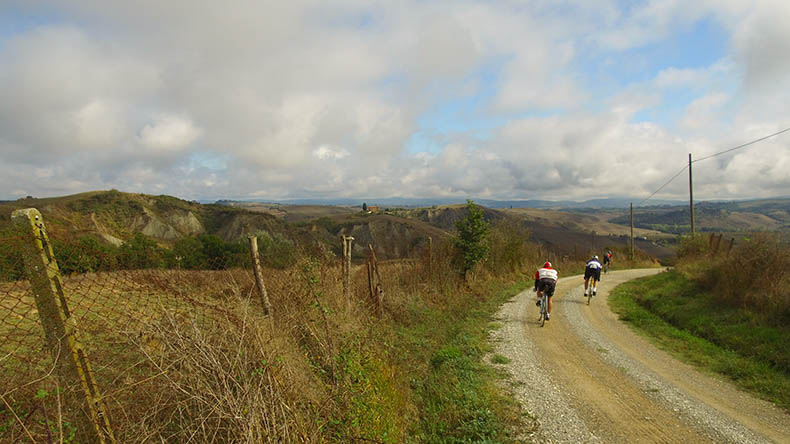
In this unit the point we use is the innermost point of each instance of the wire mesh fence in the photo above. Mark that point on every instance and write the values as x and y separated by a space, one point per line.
164 346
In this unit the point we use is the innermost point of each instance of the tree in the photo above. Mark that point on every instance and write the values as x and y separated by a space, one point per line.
364 206
472 233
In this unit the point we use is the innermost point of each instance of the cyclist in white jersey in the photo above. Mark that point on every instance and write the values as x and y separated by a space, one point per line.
592 270
546 281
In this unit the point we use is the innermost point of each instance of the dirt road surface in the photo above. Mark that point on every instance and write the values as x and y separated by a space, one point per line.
587 377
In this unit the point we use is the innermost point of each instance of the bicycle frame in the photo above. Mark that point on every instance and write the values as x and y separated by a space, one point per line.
544 308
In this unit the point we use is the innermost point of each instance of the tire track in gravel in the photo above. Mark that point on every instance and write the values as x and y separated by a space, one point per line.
588 378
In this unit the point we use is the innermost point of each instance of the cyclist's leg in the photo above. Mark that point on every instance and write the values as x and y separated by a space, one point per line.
550 293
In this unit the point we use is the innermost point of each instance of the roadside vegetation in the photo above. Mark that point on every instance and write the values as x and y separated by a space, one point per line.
196 359
729 314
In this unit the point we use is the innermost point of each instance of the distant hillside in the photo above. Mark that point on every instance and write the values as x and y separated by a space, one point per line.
561 231
115 217
409 202
737 216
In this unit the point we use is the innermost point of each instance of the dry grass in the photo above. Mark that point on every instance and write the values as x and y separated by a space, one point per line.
755 275
188 356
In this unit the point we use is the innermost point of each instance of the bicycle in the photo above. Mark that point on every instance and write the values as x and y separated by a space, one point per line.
589 293
544 308
606 267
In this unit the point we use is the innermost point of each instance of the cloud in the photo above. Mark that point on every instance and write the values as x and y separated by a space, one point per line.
326 152
169 133
305 98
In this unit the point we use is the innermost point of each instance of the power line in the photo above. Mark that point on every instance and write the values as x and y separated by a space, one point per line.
662 186
743 146
708 157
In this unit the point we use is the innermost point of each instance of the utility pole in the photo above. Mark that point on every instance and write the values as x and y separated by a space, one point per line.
632 231
691 197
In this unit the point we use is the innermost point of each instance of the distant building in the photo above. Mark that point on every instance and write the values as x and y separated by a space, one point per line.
373 209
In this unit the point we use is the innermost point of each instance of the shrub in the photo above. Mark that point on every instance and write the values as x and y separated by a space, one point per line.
86 255
471 238
140 252
755 275
693 245
508 245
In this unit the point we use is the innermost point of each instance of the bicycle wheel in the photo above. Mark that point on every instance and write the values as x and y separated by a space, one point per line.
543 310
589 295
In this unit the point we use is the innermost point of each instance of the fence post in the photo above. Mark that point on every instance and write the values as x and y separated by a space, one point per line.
732 242
347 240
378 287
60 328
430 257
256 268
716 243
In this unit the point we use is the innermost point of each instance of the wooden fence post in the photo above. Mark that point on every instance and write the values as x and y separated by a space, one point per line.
732 242
430 257
347 240
716 243
256 269
376 288
60 328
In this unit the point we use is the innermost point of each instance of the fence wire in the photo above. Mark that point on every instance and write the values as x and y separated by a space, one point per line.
135 324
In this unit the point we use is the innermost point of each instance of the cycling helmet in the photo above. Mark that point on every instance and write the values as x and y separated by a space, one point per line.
547 264
595 257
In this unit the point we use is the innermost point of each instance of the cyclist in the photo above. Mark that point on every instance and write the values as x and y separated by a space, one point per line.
607 260
592 270
546 281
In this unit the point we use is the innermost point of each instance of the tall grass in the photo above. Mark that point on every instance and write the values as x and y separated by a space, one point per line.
188 356
755 275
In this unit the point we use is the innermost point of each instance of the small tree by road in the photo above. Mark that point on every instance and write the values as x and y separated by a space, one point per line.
472 233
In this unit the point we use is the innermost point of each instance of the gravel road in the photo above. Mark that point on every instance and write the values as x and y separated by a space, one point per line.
587 377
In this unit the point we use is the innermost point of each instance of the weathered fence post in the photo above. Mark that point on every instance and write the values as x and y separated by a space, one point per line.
376 285
60 328
430 257
256 268
716 243
347 240
732 242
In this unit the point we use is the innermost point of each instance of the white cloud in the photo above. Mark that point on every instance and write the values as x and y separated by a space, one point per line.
307 98
704 112
326 152
169 133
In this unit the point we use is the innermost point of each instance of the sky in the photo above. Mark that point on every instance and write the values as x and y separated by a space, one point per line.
251 99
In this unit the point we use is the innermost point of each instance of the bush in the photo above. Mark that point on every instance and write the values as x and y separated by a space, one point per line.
508 245
693 245
11 263
86 255
755 275
140 252
471 238
187 253
276 251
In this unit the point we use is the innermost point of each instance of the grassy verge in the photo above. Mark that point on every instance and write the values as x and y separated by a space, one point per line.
455 390
748 348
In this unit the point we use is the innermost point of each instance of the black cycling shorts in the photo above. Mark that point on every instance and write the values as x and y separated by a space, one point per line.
592 272
547 285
